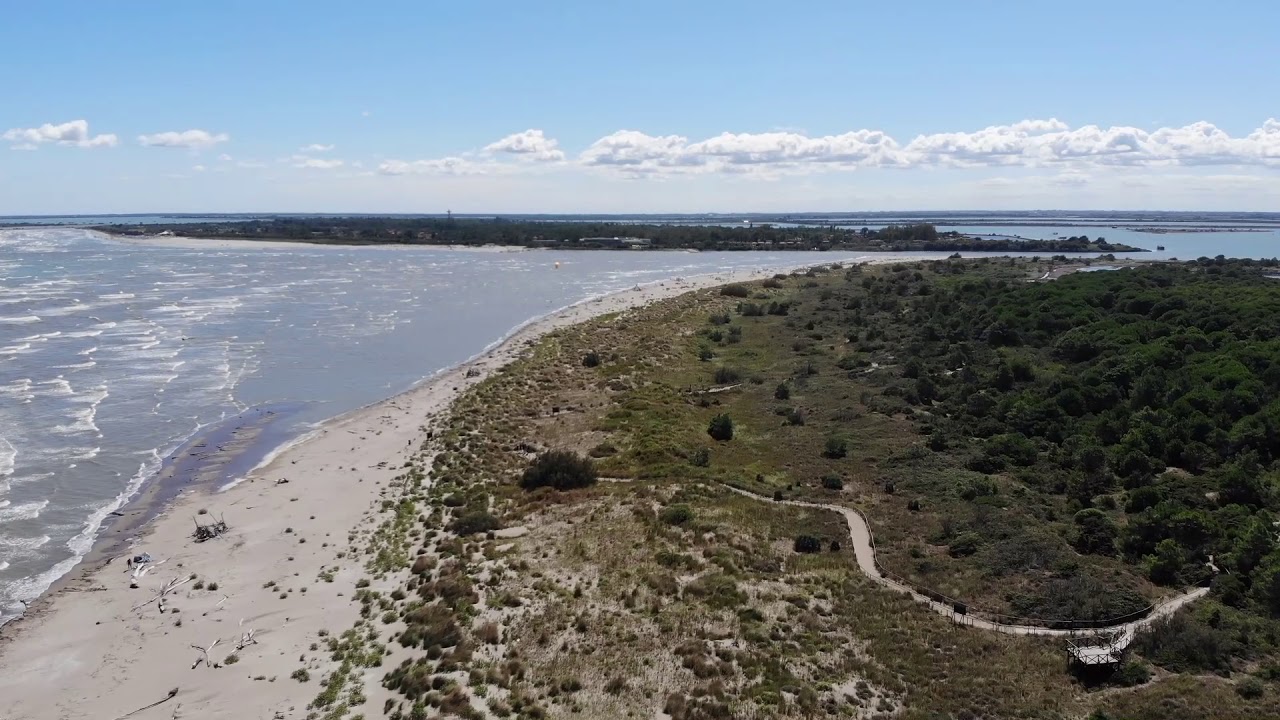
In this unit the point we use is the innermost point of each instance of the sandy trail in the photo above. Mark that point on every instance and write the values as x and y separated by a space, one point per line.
864 551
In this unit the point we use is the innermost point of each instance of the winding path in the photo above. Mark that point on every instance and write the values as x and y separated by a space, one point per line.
864 550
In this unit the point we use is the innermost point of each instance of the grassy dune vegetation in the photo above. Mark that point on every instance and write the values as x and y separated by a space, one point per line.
1067 449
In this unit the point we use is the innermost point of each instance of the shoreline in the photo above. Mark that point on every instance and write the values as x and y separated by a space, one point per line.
68 630
234 243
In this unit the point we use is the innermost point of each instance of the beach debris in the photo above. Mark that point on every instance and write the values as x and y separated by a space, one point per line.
204 655
211 530
246 639
172 694
142 565
159 597
282 481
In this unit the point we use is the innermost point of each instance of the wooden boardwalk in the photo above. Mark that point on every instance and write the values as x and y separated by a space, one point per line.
865 551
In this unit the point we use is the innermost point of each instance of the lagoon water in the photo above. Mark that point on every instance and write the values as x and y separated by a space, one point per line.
112 354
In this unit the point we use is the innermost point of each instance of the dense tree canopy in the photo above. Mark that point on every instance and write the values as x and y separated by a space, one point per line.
587 235
1159 387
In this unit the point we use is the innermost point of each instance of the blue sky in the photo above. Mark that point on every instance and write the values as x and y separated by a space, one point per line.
638 107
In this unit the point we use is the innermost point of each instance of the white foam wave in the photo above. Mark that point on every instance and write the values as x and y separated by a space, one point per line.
25 511
19 320
8 457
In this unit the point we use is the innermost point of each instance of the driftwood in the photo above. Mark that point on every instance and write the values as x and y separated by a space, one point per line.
172 693
246 639
204 655
210 531
159 597
140 571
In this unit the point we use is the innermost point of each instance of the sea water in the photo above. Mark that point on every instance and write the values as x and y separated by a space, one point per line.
113 354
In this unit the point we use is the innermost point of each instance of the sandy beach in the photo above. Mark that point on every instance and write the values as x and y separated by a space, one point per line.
258 600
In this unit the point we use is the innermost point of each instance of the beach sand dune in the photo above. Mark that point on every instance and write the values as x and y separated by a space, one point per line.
95 648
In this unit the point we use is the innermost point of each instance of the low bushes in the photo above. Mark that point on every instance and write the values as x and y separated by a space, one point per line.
559 469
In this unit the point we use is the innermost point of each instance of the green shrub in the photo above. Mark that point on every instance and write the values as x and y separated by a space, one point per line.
782 392
1131 674
476 521
700 458
807 544
735 290
727 375
676 514
717 590
1183 643
1250 688
835 448
721 428
964 545
833 482
559 469
591 359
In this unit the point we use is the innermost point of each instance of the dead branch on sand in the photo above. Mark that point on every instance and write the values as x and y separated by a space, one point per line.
210 531
204 655
172 694
159 598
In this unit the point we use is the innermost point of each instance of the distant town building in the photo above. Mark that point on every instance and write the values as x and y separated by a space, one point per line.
618 242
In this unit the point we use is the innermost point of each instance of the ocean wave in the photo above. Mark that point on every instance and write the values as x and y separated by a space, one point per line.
19 320
75 366
84 422
25 511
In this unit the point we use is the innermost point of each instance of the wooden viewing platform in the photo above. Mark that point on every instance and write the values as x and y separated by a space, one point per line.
1099 649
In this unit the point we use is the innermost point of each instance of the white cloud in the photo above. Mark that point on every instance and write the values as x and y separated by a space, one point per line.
531 144
302 161
636 154
1029 143
316 147
441 166
224 158
194 139
198 168
1046 144
74 133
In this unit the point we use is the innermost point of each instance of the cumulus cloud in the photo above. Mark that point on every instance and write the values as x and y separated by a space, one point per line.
530 144
1033 143
74 133
316 147
194 139
1028 143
